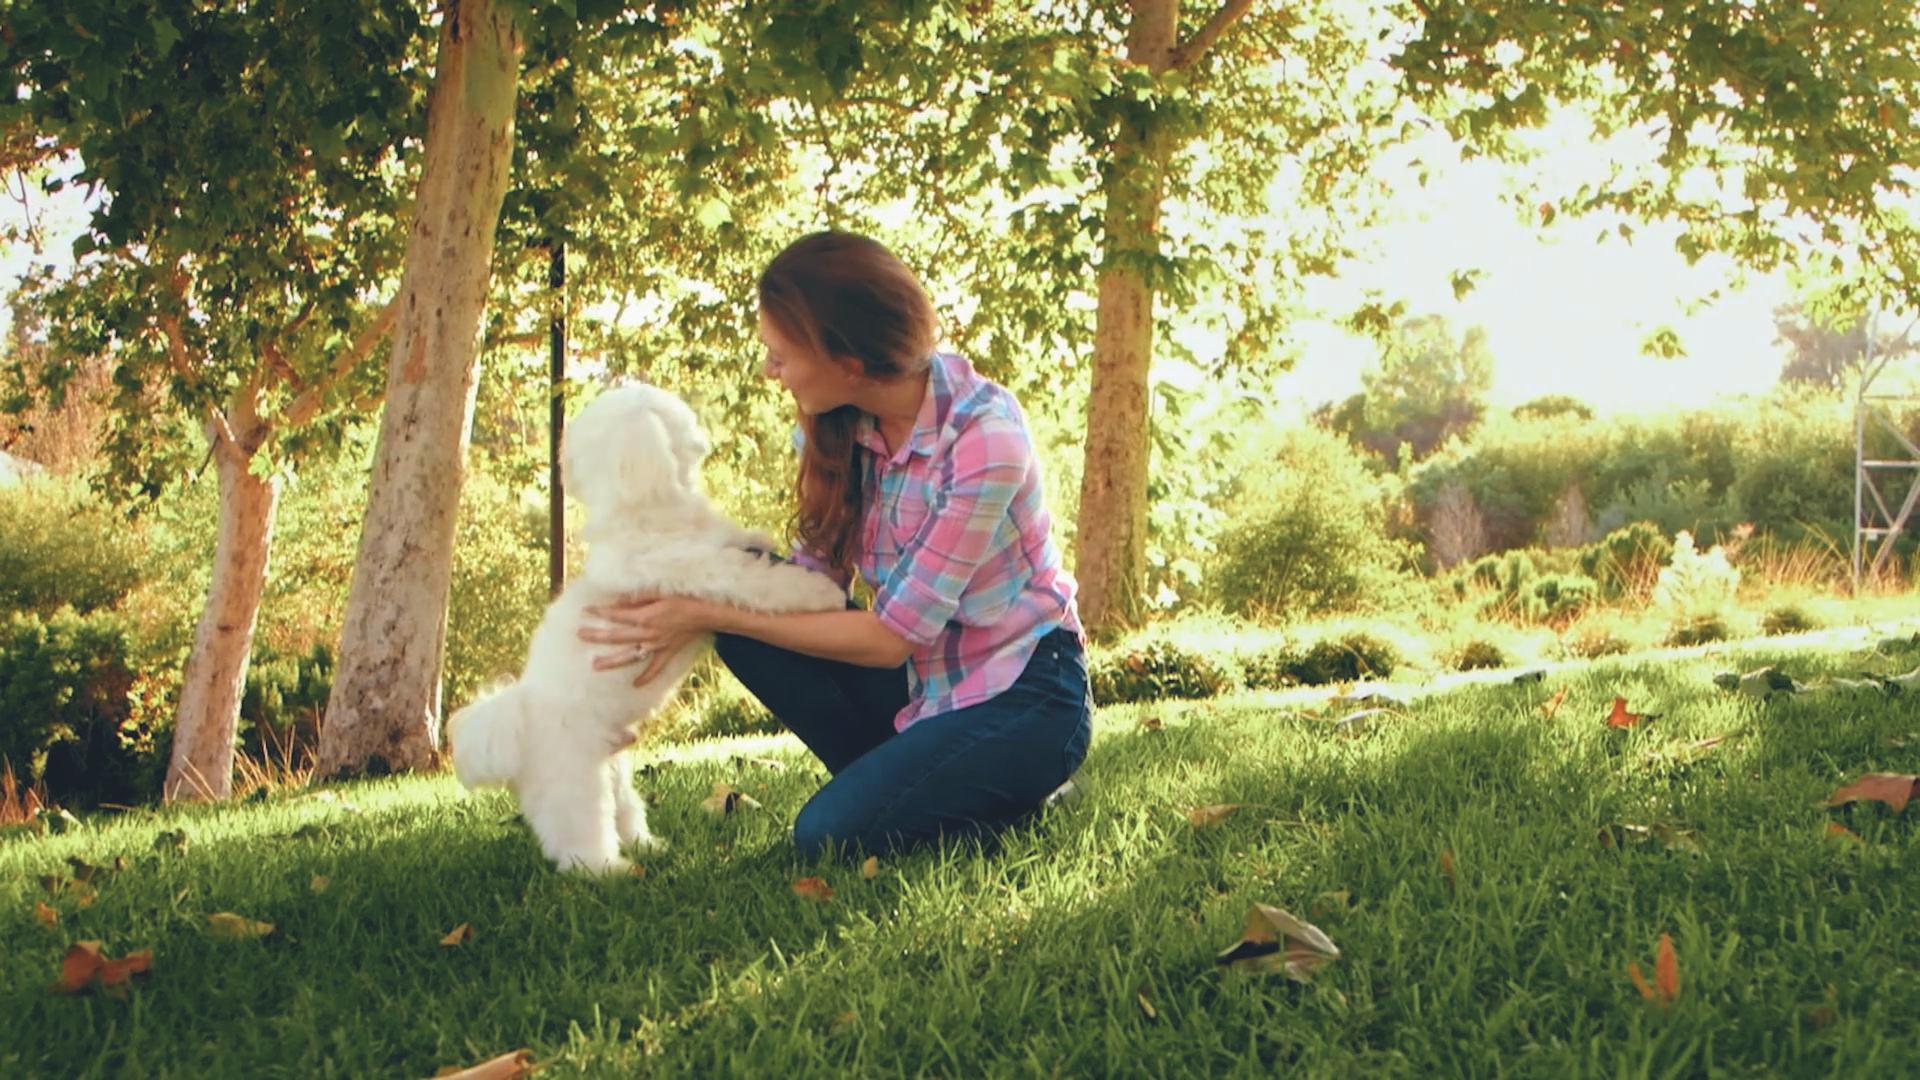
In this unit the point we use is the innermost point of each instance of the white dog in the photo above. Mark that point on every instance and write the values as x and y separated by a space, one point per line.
558 736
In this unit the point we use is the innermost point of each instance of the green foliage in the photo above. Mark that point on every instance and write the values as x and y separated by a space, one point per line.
1307 531
1479 653
1695 588
1788 619
1626 558
287 693
62 548
1346 657
70 714
1426 386
499 588
1151 666
1699 630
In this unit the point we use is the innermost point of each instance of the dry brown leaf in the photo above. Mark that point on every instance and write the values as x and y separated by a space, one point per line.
505 1067
813 888
319 883
459 935
49 916
1152 723
1147 1006
637 870
1894 789
1621 718
1835 829
871 868
225 924
1666 974
1552 704
1446 868
1274 941
769 764
1202 816
726 799
84 897
86 964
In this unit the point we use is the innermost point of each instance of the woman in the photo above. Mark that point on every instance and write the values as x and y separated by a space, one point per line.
957 703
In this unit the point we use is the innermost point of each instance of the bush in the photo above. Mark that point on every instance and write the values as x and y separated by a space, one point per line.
1699 630
1558 597
63 548
1626 558
1695 588
499 589
1308 534
1593 642
1479 653
1152 667
1347 657
1788 619
70 709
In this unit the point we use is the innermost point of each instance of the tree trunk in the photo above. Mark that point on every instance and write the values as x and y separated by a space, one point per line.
201 765
1110 546
383 714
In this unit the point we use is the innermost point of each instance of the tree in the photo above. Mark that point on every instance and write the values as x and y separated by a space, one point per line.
1424 387
233 269
383 712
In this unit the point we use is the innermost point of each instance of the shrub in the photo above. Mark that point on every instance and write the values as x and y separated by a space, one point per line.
1593 642
1479 653
1558 597
70 714
1699 630
1346 657
1695 587
499 588
1626 558
1788 619
63 548
1309 532
1152 667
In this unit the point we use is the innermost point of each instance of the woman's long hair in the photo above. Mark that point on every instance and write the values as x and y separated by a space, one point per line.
853 303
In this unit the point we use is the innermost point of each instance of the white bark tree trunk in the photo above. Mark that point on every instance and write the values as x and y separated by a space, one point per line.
383 714
1110 546
201 763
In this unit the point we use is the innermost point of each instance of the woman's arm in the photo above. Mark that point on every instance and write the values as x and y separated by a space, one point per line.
660 626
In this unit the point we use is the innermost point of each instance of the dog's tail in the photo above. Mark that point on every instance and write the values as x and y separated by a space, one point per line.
486 737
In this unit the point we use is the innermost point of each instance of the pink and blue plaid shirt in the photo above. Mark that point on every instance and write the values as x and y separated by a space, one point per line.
956 543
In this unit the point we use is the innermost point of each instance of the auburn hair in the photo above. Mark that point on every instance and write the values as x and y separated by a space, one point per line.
851 302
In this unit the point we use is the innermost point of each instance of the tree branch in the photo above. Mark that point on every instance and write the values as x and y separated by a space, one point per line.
1197 46
218 431
302 408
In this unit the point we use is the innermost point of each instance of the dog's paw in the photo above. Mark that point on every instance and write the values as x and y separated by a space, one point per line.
583 863
644 842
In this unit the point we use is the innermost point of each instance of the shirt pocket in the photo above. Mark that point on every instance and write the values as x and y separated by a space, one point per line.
908 514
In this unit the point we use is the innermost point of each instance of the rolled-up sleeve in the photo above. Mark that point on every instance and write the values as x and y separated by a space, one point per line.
988 463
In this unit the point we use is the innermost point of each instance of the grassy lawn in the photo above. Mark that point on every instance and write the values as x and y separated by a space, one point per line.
1085 946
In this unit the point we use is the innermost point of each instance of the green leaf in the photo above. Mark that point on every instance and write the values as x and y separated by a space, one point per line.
712 214
165 35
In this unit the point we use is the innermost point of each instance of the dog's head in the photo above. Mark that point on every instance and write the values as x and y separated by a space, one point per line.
635 445
486 738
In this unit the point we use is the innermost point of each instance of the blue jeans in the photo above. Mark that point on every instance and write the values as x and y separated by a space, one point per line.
968 772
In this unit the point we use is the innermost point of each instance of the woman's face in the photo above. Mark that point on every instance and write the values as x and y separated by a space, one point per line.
817 384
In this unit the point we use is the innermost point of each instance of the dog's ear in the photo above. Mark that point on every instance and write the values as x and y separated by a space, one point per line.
617 451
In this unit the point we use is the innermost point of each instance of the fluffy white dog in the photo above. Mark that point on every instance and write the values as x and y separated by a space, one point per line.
558 735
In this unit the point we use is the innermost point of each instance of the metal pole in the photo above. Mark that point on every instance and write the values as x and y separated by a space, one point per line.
556 419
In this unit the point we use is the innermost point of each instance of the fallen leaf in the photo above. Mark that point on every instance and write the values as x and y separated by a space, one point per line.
505 1067
331 797
84 871
1894 789
1666 970
1147 1006
171 840
1446 868
764 763
1621 718
637 870
225 924
49 916
1666 974
1552 704
1534 676
1355 722
1202 816
871 868
842 1022
1333 900
55 820
83 896
1151 723
459 935
86 964
1763 683
1274 941
1835 829
319 883
726 799
813 888
1673 838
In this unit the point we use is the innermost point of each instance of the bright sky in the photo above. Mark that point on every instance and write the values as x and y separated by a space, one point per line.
1565 312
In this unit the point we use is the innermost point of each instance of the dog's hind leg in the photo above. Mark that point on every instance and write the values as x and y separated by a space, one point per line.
571 807
629 811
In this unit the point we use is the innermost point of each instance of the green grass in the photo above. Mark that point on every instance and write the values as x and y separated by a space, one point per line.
1799 953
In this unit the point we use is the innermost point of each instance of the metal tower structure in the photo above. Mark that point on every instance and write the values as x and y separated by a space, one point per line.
1878 522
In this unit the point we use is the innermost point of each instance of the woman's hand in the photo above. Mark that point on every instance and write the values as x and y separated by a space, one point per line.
649 629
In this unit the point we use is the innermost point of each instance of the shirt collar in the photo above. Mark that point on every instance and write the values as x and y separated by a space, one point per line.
926 426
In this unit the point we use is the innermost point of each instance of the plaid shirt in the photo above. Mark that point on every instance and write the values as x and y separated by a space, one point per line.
956 543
